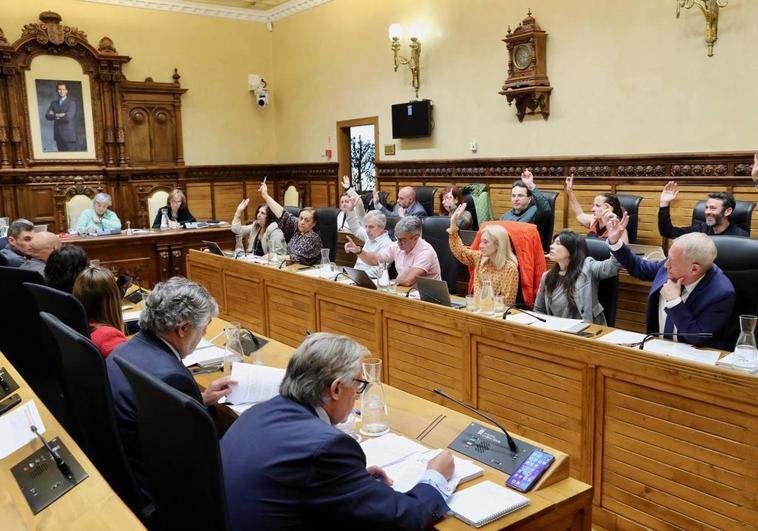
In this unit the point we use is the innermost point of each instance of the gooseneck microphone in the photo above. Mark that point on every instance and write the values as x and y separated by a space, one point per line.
641 344
59 462
511 443
521 307
408 293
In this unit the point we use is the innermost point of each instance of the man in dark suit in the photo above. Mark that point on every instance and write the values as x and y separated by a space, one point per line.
174 319
62 112
287 467
18 251
690 294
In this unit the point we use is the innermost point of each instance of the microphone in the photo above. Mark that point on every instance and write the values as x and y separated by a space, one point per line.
281 264
59 462
530 314
641 344
341 273
408 293
511 443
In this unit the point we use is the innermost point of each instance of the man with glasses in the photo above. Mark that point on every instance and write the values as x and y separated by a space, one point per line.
690 294
286 465
372 230
413 257
527 202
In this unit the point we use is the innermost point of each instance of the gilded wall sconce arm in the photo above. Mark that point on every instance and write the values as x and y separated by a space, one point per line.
710 10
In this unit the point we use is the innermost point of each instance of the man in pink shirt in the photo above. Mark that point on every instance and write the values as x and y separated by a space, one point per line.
413 256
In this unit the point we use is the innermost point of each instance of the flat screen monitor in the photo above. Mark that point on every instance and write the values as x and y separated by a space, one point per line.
412 119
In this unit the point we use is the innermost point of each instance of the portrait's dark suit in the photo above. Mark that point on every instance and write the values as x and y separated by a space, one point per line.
707 308
285 468
64 127
154 356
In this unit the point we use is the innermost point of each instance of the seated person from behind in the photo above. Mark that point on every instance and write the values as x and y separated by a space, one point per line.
303 240
495 259
287 467
569 288
376 239
413 256
344 205
718 215
690 294
527 202
42 244
64 265
176 210
99 217
406 204
20 235
604 207
175 317
451 198
263 235
96 289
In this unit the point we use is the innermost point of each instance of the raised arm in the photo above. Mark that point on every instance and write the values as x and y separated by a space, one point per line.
275 207
460 251
352 247
353 220
665 227
584 219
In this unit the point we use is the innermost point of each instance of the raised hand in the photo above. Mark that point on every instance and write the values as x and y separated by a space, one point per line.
616 228
569 184
754 173
375 198
350 246
242 206
457 214
607 214
345 182
527 178
401 211
353 202
263 189
669 193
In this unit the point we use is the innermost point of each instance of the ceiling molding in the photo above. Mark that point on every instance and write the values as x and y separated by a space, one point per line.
209 10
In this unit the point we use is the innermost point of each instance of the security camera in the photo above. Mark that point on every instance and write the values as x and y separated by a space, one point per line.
257 85
261 97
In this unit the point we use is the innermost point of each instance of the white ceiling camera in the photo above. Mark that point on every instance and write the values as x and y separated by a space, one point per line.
257 84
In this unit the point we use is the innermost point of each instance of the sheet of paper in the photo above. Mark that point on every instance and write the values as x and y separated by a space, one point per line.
131 315
15 427
560 324
314 272
212 355
521 318
388 449
255 383
406 473
204 343
239 409
622 337
682 351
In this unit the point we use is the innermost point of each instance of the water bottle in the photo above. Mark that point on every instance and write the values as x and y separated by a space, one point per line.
383 279
326 264
487 297
164 218
129 231
374 417
745 356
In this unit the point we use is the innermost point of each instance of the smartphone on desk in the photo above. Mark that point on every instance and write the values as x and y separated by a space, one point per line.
527 474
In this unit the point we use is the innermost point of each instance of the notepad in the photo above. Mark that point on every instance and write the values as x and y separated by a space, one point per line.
485 502
255 383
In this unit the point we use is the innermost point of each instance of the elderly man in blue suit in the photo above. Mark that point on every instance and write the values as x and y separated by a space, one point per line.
287 467
62 112
690 294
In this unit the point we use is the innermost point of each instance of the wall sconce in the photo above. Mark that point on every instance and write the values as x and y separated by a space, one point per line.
414 63
710 9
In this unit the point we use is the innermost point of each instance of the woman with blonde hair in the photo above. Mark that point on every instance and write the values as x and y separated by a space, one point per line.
494 259
177 211
96 289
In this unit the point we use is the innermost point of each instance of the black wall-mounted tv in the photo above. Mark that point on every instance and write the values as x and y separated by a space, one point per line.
412 119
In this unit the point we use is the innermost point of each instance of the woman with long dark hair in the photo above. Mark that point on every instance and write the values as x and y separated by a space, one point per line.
263 235
569 288
604 208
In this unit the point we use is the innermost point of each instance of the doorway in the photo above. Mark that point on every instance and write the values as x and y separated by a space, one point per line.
356 152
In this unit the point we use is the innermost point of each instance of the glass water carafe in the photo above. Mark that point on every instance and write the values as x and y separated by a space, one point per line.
233 351
487 297
164 218
383 278
374 417
745 356
326 264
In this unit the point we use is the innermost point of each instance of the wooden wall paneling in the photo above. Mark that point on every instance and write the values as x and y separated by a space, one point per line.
289 326
213 279
226 197
163 128
139 141
354 319
199 200
319 195
245 301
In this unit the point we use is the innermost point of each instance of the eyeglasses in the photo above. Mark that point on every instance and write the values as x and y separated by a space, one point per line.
362 384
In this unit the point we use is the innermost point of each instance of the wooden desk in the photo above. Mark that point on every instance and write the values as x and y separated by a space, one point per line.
557 501
664 442
152 256
92 504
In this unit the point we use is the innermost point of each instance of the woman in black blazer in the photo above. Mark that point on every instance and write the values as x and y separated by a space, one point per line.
176 203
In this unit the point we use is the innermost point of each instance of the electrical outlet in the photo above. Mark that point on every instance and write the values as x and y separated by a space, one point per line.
473 146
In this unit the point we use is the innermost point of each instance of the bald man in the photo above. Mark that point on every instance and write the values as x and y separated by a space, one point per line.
42 244
406 204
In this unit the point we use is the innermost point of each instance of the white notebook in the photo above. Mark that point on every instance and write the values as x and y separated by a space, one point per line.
485 502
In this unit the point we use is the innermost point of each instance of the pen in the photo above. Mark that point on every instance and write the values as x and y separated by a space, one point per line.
59 462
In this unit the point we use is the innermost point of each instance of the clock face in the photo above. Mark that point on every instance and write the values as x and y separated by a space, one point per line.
522 56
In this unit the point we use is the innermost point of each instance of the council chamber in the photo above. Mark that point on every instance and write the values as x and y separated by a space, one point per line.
309 263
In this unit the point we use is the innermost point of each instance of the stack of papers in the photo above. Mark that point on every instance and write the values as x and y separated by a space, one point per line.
557 324
681 351
255 384
205 356
485 502
15 428
131 315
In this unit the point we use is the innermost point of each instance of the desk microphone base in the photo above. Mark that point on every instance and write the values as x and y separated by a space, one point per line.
491 448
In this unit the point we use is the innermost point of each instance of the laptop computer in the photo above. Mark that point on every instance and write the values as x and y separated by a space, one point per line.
359 277
431 290
215 249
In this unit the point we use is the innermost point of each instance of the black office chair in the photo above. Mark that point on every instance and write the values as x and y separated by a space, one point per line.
327 228
181 453
742 215
3 242
293 210
62 305
471 207
3 261
368 200
738 258
631 203
391 222
608 289
425 196
546 221
90 406
435 233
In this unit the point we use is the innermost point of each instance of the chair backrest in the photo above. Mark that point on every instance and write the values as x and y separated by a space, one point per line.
368 199
181 454
391 222
608 289
471 207
327 228
546 221
435 233
631 203
154 203
74 208
3 242
742 215
90 406
425 196
3 261
62 305
738 258
291 196
293 210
